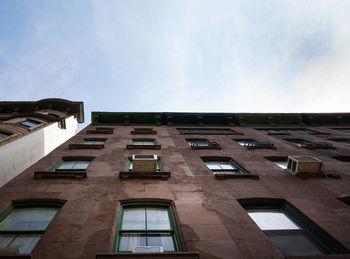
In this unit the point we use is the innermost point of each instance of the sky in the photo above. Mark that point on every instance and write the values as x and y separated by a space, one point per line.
178 55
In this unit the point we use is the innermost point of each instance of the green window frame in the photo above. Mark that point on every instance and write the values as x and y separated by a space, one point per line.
144 142
290 232
93 142
23 225
159 165
224 166
146 224
72 165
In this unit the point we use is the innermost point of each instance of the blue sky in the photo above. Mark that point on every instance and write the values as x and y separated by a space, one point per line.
161 55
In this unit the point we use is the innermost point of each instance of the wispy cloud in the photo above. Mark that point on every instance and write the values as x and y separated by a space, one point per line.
165 55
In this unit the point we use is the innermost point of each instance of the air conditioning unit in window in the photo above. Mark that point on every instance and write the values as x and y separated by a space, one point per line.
144 163
148 249
303 164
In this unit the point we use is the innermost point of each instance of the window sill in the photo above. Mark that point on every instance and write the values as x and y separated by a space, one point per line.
99 132
183 255
262 147
67 174
85 146
318 175
143 146
145 175
221 176
205 147
150 132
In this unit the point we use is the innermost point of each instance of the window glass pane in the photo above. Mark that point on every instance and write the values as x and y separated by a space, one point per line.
199 142
81 165
134 219
212 165
129 241
93 142
28 219
26 242
272 220
295 243
157 219
144 143
29 123
282 164
164 240
226 165
67 165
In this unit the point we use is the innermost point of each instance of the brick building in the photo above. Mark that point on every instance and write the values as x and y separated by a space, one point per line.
31 130
186 185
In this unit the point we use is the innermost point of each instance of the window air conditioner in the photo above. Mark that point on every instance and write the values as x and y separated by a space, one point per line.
303 164
147 249
144 163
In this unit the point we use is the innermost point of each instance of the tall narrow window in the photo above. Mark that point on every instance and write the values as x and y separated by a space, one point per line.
23 227
147 228
292 234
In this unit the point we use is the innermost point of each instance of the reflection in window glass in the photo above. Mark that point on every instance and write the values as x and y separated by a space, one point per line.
29 123
74 165
3 135
16 230
271 220
146 226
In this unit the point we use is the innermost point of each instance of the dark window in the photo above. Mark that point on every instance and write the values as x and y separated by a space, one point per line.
345 159
344 141
147 228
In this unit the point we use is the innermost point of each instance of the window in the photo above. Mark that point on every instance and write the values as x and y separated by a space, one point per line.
296 141
73 165
144 142
212 131
290 232
3 135
101 130
346 130
202 144
69 167
144 226
345 159
253 144
224 167
279 161
274 131
310 145
93 142
344 141
29 123
22 227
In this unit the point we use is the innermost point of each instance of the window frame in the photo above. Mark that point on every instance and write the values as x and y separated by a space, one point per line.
210 144
321 237
31 204
57 169
172 221
136 146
